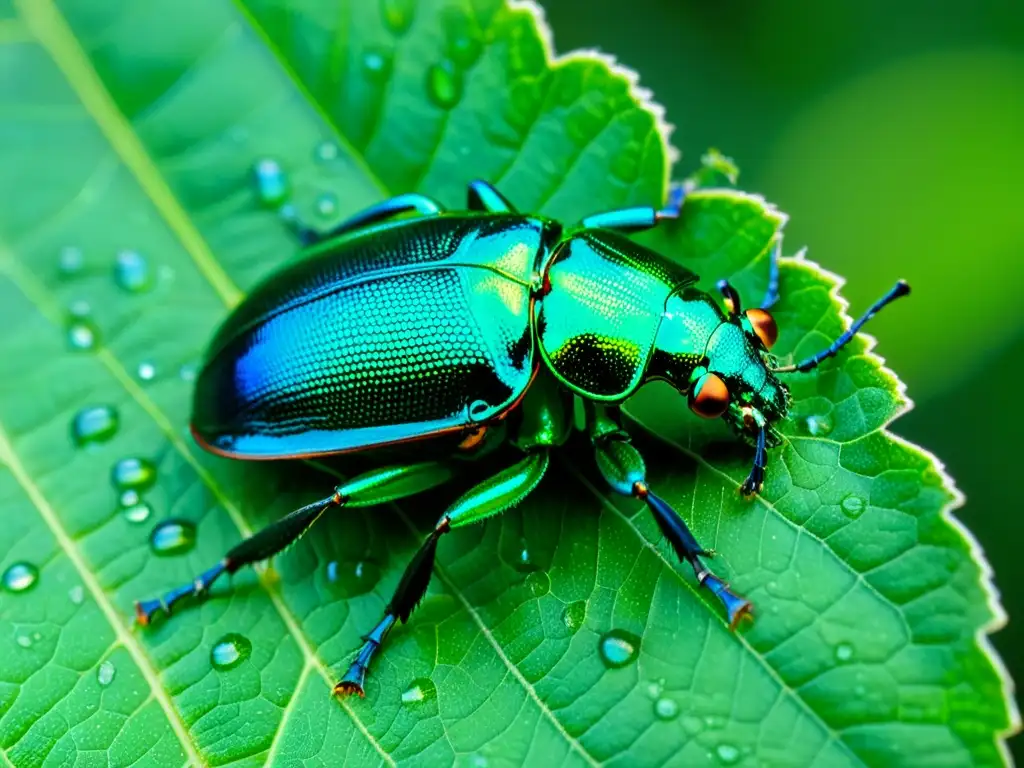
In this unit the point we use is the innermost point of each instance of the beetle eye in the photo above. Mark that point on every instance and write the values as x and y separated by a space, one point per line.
764 326
709 397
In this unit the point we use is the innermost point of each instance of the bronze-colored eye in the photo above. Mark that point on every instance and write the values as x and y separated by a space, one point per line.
764 326
709 397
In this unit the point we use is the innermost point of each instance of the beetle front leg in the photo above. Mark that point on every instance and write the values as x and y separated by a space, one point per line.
624 469
372 487
491 497
411 202
640 218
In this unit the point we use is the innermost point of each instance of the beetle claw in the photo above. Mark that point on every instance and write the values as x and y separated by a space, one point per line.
352 682
145 610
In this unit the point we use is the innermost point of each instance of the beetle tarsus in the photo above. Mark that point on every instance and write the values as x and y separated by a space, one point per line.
146 610
355 677
737 608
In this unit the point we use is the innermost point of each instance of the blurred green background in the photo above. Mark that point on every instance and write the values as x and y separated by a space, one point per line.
893 135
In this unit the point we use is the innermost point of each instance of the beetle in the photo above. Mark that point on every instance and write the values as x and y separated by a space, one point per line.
408 324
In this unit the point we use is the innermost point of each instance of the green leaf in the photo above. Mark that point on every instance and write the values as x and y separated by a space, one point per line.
129 136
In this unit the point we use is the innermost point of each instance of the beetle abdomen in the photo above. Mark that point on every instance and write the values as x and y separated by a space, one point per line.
410 343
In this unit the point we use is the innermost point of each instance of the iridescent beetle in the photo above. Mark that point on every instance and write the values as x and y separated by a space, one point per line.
472 329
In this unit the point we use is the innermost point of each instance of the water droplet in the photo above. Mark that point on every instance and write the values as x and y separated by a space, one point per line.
24 641
82 334
172 537
574 615
463 37
139 512
20 577
146 371
853 506
654 689
289 214
818 425
327 205
618 648
188 372
348 579
444 84
79 308
77 594
524 560
692 724
666 709
271 183
538 583
131 272
95 424
727 753
326 151
421 691
70 260
377 65
230 651
133 474
477 761
397 14
105 673
844 652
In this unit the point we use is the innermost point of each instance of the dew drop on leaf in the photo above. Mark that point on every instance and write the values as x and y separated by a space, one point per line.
539 583
105 673
524 560
692 724
463 41
77 594
230 651
82 334
139 512
133 474
727 754
326 151
172 537
666 709
271 183
146 371
20 577
70 260
397 14
377 65
188 372
327 205
94 424
618 648
421 691
352 579
444 84
132 272
844 652
818 425
574 615
24 641
853 506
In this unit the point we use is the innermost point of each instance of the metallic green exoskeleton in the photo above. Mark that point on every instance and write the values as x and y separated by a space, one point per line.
472 329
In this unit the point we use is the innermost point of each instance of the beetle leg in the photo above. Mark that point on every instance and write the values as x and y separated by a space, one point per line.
640 218
624 469
373 487
491 497
387 209
483 196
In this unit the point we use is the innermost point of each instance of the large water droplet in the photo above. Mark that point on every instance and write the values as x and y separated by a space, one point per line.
20 577
132 272
172 537
327 205
70 260
463 41
618 648
326 151
271 183
818 425
666 709
82 334
230 651
95 424
574 615
146 371
133 474
377 65
853 506
727 754
420 692
844 652
348 579
444 84
539 583
105 673
397 14
77 594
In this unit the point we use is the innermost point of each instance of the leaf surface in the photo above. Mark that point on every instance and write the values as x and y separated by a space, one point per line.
128 136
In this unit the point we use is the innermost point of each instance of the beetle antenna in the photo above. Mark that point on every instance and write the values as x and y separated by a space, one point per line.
731 297
900 289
